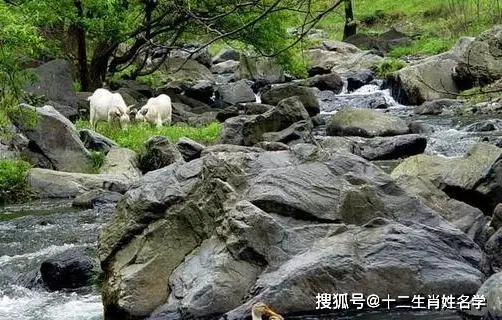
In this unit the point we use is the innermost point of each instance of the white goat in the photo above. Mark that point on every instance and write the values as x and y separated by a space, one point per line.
157 111
107 106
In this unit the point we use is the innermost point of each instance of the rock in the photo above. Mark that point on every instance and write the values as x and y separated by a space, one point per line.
229 148
58 184
339 47
201 90
193 51
135 89
331 82
493 249
236 92
429 79
96 141
497 217
189 71
122 161
229 66
435 107
255 68
466 218
231 131
160 152
390 148
261 85
6 153
54 137
306 95
480 63
227 113
189 149
54 82
69 270
95 198
276 226
484 126
491 306
298 132
272 146
342 144
256 108
472 178
383 42
225 55
341 62
329 101
287 112
356 80
365 123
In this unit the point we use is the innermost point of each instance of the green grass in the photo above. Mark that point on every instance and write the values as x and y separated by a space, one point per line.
388 66
134 136
14 186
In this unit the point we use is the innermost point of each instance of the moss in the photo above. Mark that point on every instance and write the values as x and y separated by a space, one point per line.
389 66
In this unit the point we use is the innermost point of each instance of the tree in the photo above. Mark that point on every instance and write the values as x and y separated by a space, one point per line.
350 27
111 34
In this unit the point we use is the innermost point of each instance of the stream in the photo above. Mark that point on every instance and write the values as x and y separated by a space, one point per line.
33 232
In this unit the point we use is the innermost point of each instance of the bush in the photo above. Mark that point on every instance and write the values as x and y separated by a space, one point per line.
13 181
389 66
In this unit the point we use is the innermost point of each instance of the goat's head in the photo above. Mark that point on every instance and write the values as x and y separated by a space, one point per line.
117 114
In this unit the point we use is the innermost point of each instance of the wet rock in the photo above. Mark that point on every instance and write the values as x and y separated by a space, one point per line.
58 184
329 101
95 198
237 92
122 161
159 152
436 107
472 178
493 249
189 149
484 126
356 80
256 108
330 81
54 137
365 123
306 95
96 141
70 270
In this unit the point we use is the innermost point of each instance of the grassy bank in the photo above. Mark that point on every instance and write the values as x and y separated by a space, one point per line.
134 136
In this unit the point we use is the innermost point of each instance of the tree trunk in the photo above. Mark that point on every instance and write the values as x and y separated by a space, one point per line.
99 64
81 48
350 27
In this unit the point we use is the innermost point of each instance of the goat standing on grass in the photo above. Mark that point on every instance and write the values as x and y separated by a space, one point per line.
157 111
107 106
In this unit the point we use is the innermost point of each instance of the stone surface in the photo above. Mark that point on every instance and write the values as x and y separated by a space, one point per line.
122 161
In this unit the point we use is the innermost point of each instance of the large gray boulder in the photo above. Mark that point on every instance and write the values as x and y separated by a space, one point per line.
256 68
122 161
214 235
473 178
57 184
54 81
237 92
365 123
481 63
306 95
54 137
429 79
489 299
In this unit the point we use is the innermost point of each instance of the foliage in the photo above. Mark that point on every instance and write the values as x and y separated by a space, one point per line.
98 159
14 186
134 136
389 66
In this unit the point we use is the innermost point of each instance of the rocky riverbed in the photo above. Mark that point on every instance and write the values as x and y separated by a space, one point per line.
341 182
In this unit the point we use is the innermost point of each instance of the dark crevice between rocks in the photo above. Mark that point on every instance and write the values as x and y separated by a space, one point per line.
473 198
33 147
250 255
271 206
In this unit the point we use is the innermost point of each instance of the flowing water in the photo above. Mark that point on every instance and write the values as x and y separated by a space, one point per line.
31 233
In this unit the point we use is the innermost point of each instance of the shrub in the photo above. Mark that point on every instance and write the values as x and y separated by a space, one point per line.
389 66
13 181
